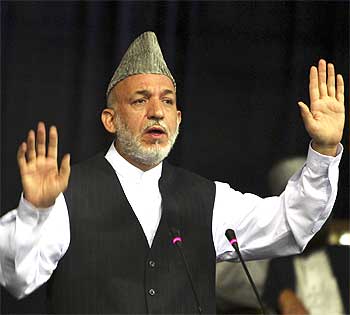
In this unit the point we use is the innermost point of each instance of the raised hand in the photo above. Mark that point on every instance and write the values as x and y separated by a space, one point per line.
324 120
42 181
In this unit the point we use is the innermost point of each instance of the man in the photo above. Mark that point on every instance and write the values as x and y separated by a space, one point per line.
315 282
125 205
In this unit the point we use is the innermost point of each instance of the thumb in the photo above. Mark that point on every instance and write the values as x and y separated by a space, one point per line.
305 113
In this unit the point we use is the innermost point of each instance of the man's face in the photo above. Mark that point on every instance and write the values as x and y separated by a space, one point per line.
146 120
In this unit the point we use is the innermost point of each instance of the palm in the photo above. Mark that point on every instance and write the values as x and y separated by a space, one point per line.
324 121
328 121
41 179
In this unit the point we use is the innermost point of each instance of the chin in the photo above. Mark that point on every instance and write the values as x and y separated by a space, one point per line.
155 144
154 153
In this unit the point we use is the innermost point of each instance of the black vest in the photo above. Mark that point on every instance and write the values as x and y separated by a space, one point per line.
109 267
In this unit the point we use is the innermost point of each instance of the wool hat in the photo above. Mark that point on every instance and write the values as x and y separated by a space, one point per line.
143 56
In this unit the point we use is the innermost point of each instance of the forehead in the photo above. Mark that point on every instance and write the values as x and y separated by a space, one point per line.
152 82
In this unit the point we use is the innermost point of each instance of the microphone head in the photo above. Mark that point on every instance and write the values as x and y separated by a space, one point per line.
231 236
176 237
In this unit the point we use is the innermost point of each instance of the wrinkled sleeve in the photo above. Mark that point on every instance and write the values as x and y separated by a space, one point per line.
280 225
31 243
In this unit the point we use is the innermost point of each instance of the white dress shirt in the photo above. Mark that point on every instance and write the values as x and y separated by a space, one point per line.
316 285
32 242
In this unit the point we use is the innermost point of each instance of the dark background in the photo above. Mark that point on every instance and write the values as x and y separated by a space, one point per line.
240 69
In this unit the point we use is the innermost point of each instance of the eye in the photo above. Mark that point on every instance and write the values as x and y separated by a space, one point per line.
139 101
168 101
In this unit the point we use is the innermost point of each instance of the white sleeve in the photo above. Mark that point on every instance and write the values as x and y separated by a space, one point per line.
32 241
277 226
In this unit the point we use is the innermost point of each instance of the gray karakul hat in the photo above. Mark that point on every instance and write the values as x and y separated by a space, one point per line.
143 56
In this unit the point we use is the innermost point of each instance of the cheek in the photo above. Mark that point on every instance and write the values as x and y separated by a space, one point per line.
172 125
135 124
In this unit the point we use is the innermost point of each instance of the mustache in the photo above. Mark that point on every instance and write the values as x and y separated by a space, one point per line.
155 123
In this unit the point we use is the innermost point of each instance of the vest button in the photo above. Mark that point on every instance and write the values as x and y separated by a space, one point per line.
152 263
151 292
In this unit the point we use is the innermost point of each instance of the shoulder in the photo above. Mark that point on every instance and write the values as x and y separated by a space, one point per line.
96 163
90 162
91 170
179 174
338 253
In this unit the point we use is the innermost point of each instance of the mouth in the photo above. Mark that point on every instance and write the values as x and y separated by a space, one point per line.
156 132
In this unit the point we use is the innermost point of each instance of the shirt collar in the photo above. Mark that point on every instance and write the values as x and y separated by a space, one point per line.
129 172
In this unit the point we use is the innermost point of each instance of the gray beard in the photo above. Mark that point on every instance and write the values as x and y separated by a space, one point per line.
132 147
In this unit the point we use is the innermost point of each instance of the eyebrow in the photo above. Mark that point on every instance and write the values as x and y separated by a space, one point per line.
143 92
147 93
167 91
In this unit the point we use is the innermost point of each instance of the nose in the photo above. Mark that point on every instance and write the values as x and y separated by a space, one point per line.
155 110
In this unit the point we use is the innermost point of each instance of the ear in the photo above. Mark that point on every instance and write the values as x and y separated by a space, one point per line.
179 117
107 118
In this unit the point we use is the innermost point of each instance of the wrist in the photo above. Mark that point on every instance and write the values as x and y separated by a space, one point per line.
330 150
29 214
41 205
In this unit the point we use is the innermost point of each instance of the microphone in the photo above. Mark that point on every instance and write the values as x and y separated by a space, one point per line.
177 241
231 236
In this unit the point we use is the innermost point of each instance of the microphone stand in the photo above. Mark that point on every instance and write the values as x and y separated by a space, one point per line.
177 241
230 234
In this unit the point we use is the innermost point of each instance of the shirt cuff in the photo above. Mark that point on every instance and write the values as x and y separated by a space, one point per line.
31 215
320 163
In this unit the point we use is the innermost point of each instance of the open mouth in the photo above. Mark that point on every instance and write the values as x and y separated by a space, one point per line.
155 132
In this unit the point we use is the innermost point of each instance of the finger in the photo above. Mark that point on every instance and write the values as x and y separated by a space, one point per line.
53 140
31 153
41 139
64 171
306 114
322 77
313 85
331 80
340 88
21 157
